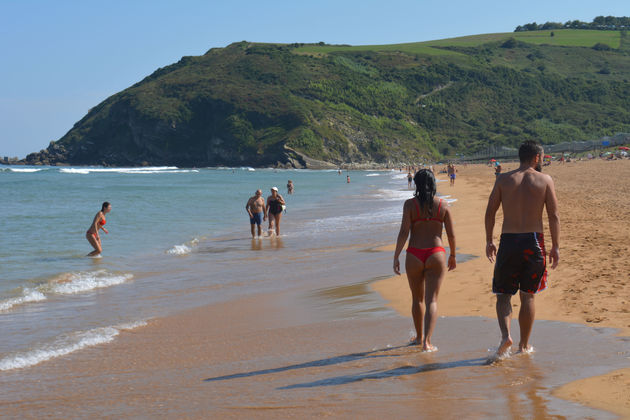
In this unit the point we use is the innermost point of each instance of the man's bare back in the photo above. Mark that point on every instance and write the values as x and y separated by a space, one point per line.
523 194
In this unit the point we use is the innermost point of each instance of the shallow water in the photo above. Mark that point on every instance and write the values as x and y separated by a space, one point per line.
178 238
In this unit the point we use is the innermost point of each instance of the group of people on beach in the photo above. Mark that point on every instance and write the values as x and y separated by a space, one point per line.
520 262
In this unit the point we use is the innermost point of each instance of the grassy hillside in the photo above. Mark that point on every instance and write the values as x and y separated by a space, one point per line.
270 104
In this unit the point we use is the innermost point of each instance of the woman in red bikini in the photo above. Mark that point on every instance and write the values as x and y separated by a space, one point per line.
426 262
99 223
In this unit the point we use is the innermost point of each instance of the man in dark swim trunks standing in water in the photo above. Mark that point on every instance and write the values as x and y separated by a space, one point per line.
255 208
520 262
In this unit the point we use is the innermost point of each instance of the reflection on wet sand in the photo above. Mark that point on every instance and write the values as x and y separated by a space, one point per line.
271 242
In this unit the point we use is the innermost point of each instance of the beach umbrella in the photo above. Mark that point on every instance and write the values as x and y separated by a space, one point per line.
493 160
624 148
547 156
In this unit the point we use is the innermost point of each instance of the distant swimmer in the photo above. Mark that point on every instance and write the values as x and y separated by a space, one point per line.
256 209
290 187
98 223
274 208
451 171
520 262
347 179
409 180
426 262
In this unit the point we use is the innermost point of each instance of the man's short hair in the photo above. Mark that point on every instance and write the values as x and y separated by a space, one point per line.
528 150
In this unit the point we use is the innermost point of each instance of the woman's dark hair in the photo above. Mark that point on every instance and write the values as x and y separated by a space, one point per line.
105 205
425 189
528 151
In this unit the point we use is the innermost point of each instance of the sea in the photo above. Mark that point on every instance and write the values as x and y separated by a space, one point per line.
178 238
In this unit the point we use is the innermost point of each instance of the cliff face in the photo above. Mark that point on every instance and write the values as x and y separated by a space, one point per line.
273 105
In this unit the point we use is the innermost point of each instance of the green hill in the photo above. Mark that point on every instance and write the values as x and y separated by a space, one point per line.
304 104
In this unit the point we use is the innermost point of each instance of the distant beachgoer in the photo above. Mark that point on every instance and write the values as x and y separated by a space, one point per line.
255 208
450 170
426 262
520 262
275 202
347 179
339 171
497 170
409 180
290 187
98 223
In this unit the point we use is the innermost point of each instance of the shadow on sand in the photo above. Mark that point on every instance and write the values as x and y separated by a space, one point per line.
315 363
345 379
391 373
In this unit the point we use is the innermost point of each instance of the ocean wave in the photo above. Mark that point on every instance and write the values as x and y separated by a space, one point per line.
354 221
28 295
392 195
64 345
373 174
24 170
71 283
143 170
183 249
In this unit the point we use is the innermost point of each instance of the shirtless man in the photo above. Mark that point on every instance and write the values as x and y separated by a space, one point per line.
451 173
520 262
255 208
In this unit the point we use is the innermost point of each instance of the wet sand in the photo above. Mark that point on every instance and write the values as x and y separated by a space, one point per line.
590 285
339 349
303 354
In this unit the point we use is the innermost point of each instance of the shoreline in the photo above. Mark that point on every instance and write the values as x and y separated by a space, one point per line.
466 290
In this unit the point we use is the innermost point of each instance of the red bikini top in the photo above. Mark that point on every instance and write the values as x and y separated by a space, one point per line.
427 219
103 221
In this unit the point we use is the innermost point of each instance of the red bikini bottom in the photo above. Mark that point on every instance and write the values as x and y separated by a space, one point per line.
424 253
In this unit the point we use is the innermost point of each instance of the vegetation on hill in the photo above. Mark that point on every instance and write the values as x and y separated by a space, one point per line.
601 23
305 104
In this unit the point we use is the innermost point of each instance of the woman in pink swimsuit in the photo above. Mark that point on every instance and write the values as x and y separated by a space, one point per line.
426 262
98 223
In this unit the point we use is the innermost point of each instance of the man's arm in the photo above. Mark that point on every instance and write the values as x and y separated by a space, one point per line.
494 202
551 203
248 206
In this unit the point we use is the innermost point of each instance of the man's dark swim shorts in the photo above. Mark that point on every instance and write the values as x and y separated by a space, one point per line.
257 219
520 264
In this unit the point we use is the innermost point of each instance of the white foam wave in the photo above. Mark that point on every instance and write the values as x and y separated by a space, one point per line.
183 249
28 295
373 174
393 195
26 170
179 250
85 281
400 175
64 345
143 170
354 221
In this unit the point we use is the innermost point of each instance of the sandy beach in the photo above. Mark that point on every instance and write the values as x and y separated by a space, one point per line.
590 284
336 348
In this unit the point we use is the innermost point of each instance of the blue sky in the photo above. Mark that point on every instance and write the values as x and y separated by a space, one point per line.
60 58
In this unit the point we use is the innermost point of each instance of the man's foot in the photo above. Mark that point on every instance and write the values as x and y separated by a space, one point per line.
505 347
429 348
525 349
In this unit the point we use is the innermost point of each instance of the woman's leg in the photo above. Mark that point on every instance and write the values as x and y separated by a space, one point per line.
415 276
434 271
95 244
278 217
271 220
